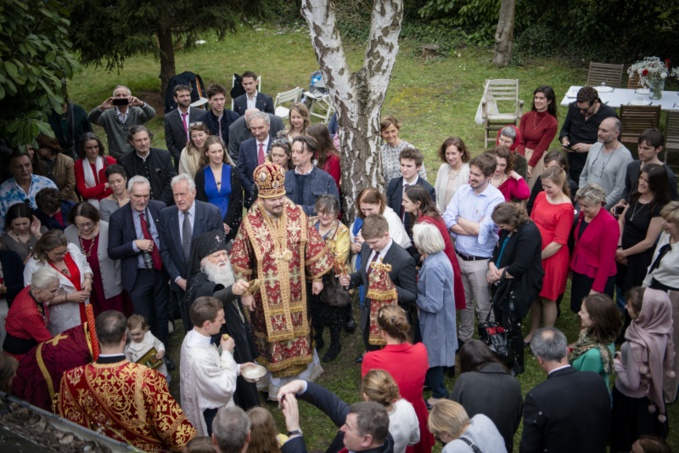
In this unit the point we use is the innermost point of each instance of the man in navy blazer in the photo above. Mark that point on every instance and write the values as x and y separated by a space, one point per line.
143 276
249 156
571 410
411 161
177 122
239 131
201 217
379 246
252 98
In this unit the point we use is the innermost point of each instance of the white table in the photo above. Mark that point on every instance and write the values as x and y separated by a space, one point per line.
628 96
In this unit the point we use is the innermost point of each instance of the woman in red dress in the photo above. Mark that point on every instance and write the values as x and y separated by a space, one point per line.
537 130
395 330
27 319
418 203
90 178
553 214
90 234
510 183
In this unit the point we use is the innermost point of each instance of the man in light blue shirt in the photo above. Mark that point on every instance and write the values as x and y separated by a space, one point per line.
468 217
22 187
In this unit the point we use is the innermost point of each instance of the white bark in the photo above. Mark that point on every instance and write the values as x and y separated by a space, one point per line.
504 34
358 96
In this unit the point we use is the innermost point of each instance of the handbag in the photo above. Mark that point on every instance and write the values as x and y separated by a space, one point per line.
333 293
494 334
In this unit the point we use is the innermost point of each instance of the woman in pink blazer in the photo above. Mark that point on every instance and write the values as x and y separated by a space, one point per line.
596 239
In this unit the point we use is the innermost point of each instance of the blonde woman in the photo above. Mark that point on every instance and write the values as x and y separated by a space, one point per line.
190 160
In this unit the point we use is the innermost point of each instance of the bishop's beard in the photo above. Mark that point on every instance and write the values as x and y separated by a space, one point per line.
220 273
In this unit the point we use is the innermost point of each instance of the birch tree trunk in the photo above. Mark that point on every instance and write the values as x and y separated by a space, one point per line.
504 35
357 96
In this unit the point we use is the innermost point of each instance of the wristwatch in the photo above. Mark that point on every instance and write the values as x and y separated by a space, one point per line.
295 432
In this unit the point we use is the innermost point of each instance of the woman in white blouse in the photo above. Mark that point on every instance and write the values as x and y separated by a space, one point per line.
453 172
75 278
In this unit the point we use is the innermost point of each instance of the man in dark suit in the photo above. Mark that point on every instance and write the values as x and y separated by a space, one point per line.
379 246
180 224
411 161
252 99
571 410
218 118
154 164
239 131
252 153
134 238
177 122
363 426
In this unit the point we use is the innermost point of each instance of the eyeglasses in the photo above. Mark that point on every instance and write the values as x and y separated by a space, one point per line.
280 141
85 226
197 123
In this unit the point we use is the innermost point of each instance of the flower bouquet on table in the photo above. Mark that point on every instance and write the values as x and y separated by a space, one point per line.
652 73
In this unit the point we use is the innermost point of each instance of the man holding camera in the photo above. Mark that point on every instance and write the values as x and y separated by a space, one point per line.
119 113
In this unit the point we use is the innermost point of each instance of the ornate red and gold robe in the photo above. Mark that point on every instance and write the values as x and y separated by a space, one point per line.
282 253
127 402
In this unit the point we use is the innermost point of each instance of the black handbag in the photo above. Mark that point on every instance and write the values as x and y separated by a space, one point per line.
495 336
333 293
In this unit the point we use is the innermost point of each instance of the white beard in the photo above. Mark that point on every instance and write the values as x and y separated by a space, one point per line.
220 273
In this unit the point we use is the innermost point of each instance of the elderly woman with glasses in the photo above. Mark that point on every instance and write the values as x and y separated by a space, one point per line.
75 278
192 154
90 176
90 234
596 238
29 315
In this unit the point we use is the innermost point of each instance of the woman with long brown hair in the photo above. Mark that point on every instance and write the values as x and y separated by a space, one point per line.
192 154
327 156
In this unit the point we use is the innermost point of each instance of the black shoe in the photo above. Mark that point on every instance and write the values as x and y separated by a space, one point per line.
350 326
359 359
319 343
333 352
169 363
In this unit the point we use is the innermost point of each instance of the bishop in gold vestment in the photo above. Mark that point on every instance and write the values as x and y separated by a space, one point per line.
279 248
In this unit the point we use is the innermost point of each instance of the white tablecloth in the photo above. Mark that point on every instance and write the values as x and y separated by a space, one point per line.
628 96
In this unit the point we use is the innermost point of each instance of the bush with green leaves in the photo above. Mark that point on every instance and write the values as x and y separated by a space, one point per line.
35 58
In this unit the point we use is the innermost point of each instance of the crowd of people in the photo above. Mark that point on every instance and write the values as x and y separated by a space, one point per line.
235 229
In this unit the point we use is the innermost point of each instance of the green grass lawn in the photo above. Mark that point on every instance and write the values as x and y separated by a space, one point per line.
433 100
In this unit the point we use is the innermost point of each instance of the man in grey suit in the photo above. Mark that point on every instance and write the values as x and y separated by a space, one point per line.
379 246
239 131
188 219
177 122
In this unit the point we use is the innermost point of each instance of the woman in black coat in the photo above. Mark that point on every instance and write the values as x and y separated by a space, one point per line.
515 271
485 387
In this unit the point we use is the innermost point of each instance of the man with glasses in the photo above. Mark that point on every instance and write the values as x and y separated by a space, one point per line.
178 121
579 130
607 161
239 131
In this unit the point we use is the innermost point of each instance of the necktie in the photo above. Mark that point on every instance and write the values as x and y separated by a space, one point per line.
186 126
260 154
155 254
663 251
375 257
403 210
186 237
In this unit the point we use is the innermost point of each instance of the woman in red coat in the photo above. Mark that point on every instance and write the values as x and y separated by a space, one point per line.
596 238
90 179
395 330
27 319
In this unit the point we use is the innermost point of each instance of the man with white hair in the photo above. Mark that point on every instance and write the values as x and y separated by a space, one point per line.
210 274
119 113
180 224
134 238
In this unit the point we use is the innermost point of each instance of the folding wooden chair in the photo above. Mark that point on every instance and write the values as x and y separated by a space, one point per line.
603 73
500 106
292 96
637 118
